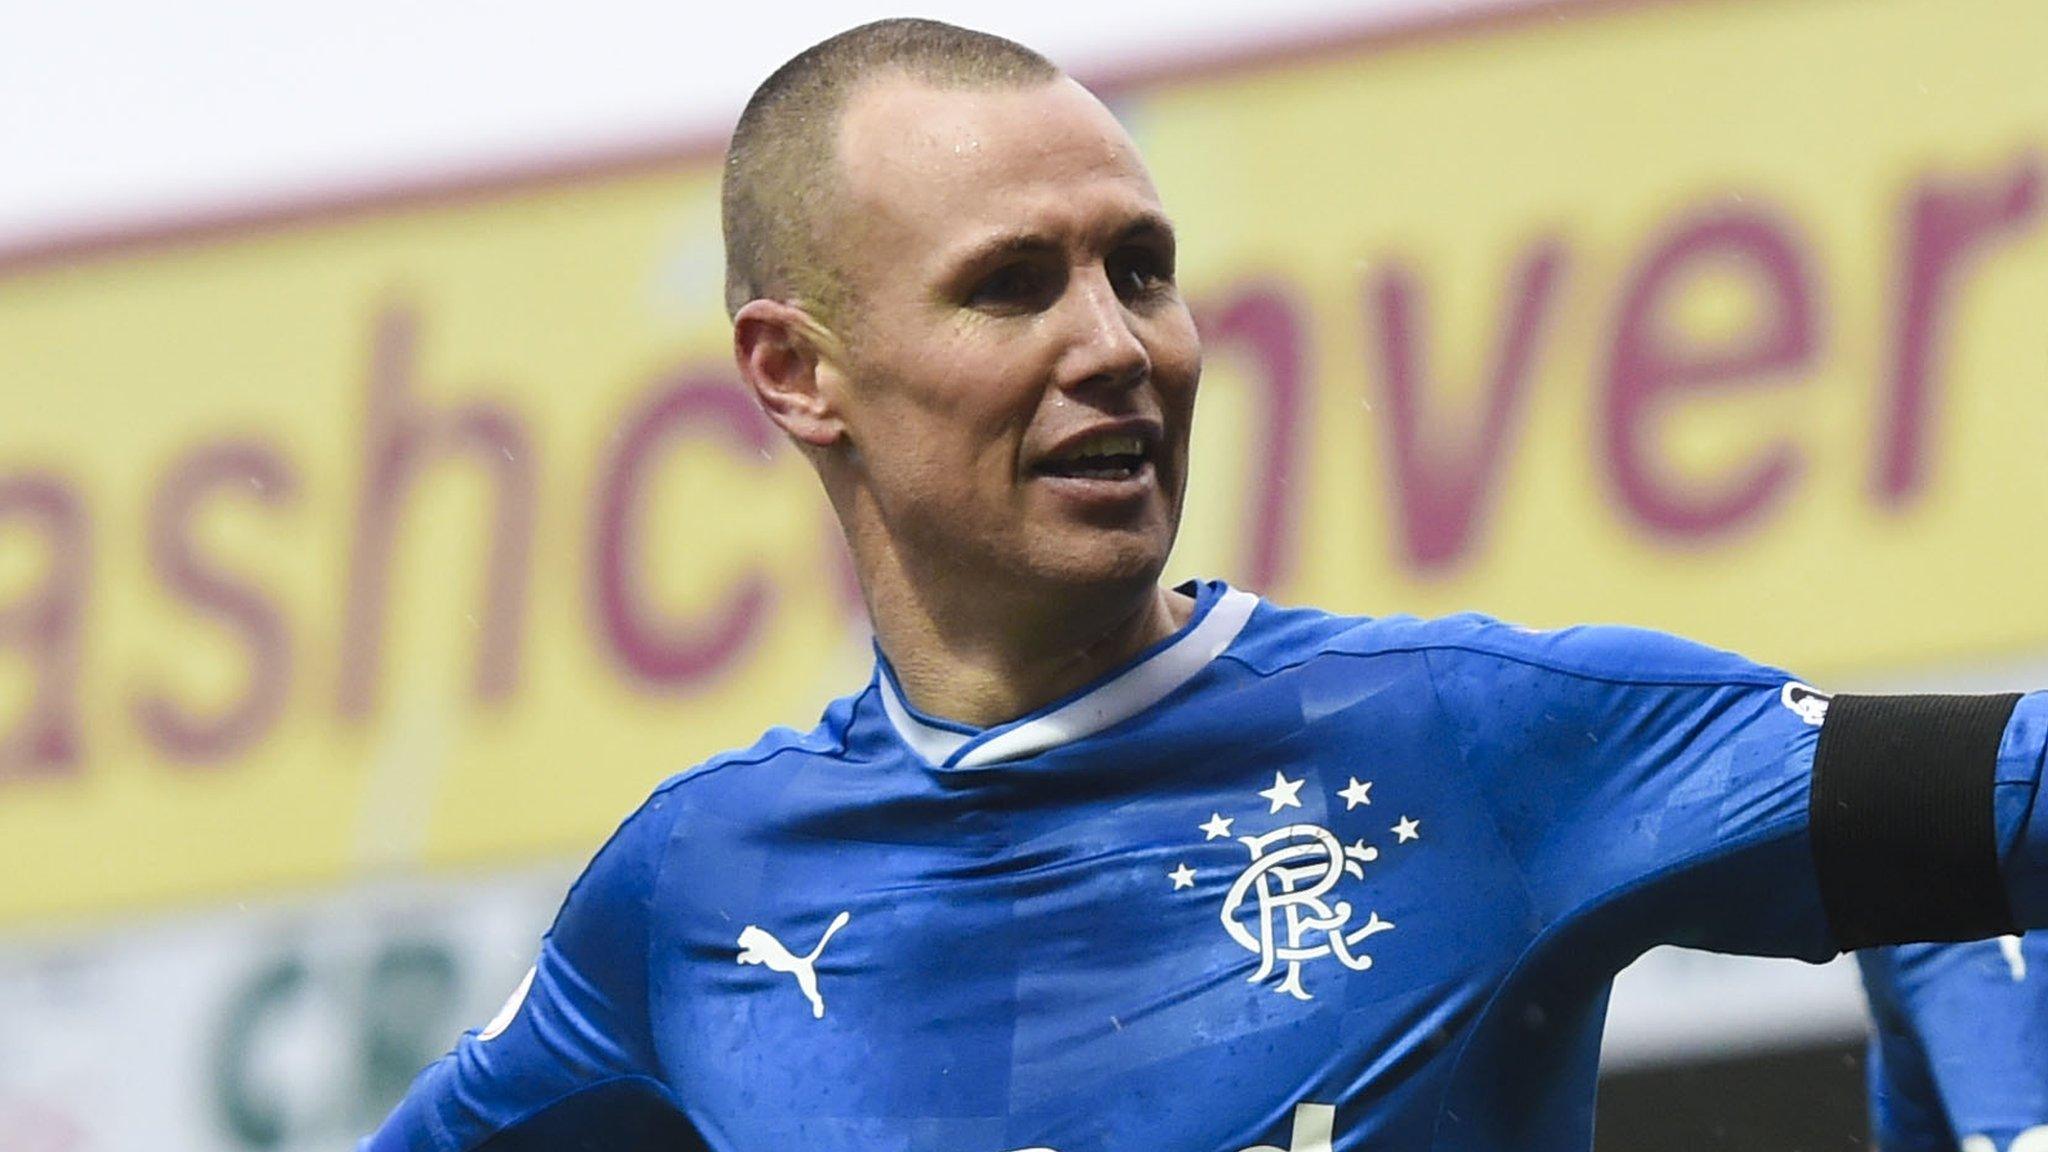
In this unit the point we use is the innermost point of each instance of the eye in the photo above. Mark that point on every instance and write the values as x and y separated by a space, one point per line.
1138 272
1019 285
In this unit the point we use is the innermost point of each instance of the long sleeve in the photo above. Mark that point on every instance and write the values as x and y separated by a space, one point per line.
2022 817
1655 790
1770 819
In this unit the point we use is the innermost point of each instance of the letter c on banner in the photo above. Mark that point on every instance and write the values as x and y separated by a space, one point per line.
670 651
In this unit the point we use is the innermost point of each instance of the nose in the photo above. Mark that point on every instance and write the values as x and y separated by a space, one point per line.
1103 349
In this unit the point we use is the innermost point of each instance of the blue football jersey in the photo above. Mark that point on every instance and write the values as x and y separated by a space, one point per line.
1287 882
1959 1045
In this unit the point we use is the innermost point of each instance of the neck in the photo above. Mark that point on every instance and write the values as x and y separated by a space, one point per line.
983 659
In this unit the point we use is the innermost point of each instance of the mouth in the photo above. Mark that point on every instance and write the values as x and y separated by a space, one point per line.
1111 455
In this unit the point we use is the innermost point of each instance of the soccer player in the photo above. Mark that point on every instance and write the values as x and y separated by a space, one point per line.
1959 1047
1093 865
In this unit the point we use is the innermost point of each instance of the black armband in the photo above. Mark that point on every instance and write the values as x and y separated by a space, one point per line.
1903 835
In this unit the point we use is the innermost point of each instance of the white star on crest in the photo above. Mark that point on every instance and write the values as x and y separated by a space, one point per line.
1182 877
1217 828
1407 830
1284 793
1356 794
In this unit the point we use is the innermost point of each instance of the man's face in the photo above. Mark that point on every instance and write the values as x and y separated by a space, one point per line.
1021 370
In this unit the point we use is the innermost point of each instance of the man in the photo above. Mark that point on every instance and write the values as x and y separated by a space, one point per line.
1959 1048
1097 866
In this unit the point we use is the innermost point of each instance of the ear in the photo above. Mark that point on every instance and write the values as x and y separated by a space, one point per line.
779 349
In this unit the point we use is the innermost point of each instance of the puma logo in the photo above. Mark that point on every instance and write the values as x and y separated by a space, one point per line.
758 947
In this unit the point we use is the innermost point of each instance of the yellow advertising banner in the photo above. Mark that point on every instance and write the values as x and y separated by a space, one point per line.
433 532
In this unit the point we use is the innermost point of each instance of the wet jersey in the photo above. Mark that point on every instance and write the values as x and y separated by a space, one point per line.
1959 1045
1287 882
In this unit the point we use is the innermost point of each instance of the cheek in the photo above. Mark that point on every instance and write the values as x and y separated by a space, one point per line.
1173 340
985 405
957 400
945 438
1177 366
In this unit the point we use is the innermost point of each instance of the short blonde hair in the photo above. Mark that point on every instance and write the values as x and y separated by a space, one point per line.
780 171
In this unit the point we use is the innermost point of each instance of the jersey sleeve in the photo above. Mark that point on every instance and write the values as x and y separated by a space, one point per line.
1672 790
1643 782
2022 818
573 1042
1959 1045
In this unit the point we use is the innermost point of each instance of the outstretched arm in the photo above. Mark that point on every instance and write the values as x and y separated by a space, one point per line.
1737 810
1924 820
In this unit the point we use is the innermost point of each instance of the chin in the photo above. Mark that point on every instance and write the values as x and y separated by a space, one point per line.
1102 560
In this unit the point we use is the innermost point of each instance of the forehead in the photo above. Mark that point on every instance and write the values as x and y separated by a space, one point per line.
924 165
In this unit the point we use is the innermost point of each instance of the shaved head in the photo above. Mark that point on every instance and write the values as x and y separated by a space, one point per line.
782 177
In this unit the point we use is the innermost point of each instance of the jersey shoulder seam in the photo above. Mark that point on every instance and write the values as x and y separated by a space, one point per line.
1671 679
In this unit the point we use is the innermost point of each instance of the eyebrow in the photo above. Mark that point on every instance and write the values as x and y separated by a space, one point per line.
1148 225
1018 242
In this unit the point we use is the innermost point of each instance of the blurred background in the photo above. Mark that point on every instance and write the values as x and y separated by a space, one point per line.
379 518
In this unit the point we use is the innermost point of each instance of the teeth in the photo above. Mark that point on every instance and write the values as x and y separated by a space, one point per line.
1112 445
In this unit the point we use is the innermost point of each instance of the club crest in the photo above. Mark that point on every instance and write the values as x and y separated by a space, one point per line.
1297 898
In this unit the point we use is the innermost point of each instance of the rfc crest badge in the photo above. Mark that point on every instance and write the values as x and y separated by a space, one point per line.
1297 897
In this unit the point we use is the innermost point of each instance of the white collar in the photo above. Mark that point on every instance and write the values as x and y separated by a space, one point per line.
1115 700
